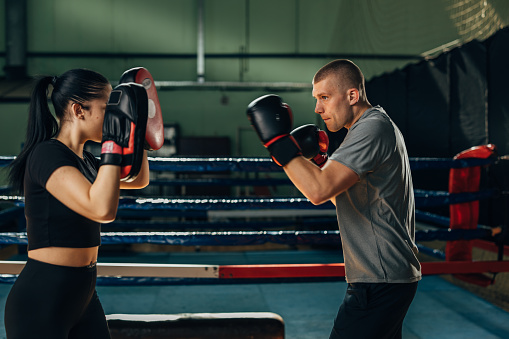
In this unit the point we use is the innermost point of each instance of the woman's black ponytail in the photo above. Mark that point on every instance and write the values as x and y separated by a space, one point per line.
76 85
41 126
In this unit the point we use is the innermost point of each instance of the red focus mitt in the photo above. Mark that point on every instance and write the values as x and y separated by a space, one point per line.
154 137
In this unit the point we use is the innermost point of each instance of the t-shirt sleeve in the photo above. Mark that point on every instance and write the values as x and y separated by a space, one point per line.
366 146
45 159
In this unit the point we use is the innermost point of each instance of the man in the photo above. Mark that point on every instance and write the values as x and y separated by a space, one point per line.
368 178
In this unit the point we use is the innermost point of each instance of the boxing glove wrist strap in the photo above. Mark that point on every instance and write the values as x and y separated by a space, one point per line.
283 150
111 154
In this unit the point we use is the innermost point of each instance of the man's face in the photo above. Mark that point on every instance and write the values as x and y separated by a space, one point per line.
333 104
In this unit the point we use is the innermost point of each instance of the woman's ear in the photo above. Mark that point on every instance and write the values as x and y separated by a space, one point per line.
77 111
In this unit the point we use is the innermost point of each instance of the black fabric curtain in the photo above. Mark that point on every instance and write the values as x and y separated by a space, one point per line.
450 103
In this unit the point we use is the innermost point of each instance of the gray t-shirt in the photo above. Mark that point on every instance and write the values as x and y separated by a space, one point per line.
376 215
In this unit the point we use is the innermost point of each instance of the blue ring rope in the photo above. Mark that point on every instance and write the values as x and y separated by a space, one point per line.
218 225
238 238
252 164
422 199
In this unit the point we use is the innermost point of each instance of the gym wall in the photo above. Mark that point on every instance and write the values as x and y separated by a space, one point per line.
244 41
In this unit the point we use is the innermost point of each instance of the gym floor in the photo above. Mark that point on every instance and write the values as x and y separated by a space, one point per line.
440 309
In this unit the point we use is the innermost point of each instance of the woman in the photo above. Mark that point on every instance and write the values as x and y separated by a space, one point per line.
67 196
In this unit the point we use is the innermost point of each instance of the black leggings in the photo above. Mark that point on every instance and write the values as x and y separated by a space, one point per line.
55 302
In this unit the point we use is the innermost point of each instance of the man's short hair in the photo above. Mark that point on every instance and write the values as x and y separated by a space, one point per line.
348 74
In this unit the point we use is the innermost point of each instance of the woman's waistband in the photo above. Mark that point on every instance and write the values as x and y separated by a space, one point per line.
88 268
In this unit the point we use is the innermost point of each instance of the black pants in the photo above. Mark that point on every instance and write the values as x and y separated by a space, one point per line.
55 302
373 311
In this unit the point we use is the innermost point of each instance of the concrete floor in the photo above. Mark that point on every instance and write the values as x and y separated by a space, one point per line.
440 309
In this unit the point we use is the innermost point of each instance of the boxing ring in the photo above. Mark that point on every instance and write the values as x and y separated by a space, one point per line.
274 206
293 221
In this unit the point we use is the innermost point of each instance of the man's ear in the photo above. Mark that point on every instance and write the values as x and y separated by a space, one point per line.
353 96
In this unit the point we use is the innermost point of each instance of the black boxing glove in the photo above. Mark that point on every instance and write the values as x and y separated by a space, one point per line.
125 121
272 120
313 142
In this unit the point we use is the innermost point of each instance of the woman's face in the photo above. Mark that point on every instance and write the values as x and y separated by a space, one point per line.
94 111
